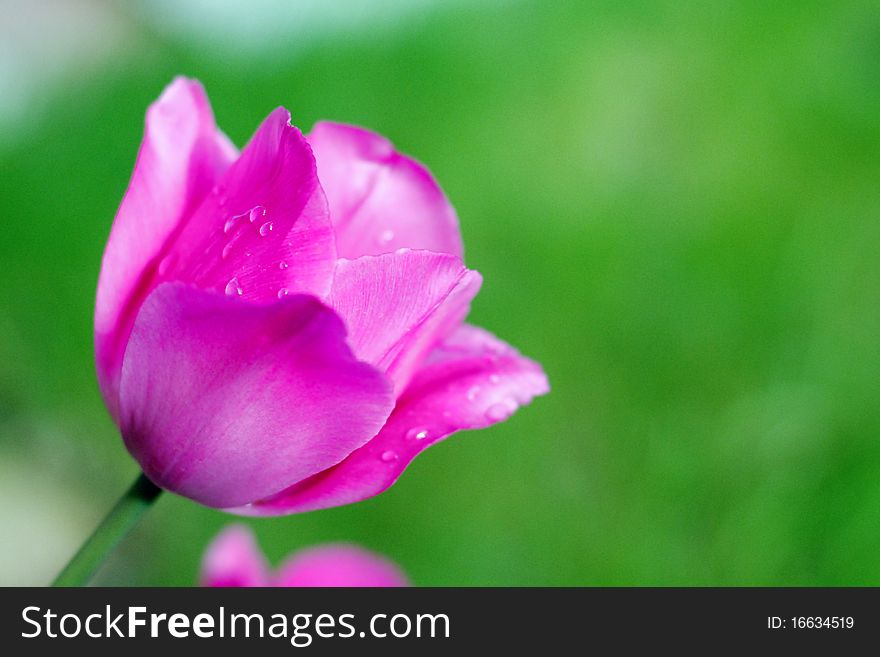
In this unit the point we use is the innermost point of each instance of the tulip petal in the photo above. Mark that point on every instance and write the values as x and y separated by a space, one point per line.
181 157
266 231
472 381
397 306
234 559
339 565
227 402
379 199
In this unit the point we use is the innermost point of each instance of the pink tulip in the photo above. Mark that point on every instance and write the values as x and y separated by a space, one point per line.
269 343
234 559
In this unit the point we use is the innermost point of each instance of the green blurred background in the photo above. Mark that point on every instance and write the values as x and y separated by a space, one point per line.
675 207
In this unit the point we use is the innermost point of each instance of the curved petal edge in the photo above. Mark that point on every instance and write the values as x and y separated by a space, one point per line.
471 381
380 200
181 157
398 306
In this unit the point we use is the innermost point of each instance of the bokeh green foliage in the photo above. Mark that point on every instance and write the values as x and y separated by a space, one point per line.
676 210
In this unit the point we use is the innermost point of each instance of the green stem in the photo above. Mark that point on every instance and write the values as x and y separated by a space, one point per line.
121 519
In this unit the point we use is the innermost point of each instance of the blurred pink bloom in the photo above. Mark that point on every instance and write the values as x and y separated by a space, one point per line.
234 559
269 343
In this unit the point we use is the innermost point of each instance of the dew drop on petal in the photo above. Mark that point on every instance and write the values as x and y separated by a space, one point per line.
283 292
388 456
417 433
165 264
498 412
266 229
256 212
229 225
472 393
233 288
283 265
386 236
226 249
219 192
